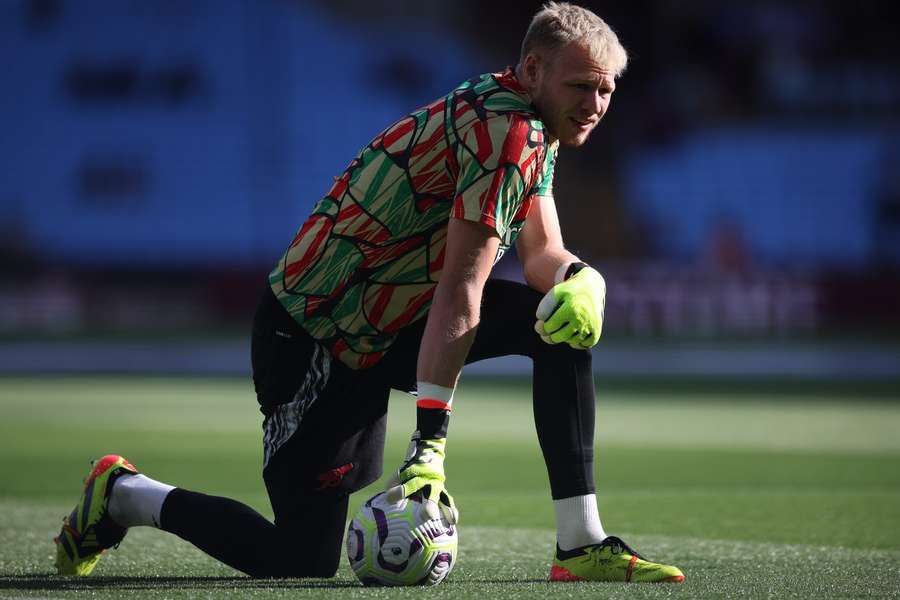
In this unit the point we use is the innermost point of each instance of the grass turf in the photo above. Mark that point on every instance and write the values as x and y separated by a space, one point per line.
777 493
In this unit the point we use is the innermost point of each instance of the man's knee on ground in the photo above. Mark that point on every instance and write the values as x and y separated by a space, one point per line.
322 566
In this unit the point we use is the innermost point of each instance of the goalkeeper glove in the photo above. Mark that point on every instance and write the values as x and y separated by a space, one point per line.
572 311
423 472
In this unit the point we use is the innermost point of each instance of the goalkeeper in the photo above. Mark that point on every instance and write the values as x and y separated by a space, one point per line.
386 286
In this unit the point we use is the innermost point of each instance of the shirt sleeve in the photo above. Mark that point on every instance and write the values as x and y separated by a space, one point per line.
499 160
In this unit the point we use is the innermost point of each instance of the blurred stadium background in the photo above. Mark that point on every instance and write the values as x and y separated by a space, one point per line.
742 196
159 156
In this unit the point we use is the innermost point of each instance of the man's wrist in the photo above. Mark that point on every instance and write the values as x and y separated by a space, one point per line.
574 268
567 270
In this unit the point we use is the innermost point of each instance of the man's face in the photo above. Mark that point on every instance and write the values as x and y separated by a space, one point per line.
571 91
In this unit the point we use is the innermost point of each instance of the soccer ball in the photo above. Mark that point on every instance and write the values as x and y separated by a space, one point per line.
398 544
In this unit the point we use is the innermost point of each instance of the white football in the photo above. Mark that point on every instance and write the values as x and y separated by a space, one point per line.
399 544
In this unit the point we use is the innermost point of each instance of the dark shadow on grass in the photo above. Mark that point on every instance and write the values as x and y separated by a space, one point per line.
53 582
57 583
494 580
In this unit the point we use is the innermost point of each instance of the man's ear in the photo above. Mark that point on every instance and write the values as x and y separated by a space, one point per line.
531 69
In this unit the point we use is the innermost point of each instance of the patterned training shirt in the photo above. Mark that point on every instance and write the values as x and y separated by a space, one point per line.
366 262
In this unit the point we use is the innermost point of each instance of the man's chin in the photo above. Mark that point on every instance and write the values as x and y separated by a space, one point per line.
570 136
575 140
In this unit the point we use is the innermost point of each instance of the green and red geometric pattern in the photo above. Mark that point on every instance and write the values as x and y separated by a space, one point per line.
366 262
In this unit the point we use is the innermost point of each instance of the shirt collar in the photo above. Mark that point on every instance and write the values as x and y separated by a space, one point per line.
507 78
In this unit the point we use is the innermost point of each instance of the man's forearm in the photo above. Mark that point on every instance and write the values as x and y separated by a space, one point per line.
449 333
542 268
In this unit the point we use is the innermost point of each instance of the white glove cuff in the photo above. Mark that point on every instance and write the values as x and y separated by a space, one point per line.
561 273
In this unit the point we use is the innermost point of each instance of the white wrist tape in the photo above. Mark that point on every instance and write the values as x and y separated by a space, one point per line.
430 395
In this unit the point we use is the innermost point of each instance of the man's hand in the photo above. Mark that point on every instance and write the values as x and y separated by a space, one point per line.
572 311
423 472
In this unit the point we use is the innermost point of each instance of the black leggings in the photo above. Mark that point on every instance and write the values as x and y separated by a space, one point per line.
306 538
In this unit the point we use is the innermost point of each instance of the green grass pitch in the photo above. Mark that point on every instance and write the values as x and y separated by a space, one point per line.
783 492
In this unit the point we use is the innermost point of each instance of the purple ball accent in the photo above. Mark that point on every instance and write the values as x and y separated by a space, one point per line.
372 499
434 530
441 557
360 547
381 523
389 567
415 546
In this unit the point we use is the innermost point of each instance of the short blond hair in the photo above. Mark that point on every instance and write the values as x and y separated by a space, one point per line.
560 23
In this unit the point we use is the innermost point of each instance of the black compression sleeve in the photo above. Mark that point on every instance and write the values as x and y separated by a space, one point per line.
432 423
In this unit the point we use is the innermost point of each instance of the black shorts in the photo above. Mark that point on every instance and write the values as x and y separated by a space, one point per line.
324 427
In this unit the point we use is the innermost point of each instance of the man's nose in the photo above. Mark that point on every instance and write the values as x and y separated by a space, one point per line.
594 103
